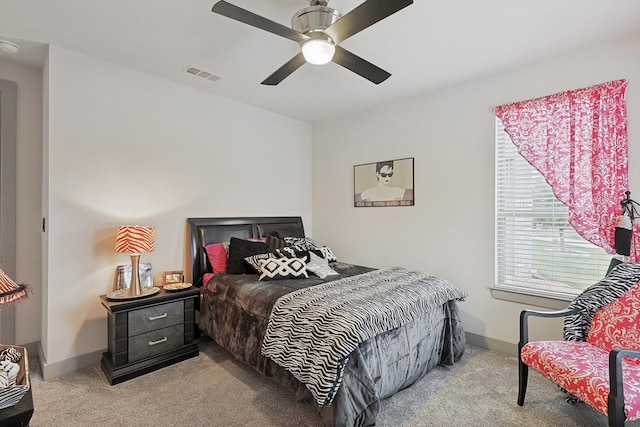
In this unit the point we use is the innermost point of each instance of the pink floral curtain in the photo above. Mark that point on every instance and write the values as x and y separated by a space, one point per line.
577 139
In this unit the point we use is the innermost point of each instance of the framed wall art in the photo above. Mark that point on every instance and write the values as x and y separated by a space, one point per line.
384 183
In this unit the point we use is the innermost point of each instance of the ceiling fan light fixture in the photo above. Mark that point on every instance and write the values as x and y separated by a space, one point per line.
319 30
318 51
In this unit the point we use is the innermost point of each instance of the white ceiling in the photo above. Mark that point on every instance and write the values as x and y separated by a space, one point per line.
428 45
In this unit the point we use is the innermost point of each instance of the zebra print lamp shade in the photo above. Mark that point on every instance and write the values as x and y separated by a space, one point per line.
135 239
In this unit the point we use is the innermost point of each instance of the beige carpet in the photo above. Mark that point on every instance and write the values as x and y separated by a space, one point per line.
214 390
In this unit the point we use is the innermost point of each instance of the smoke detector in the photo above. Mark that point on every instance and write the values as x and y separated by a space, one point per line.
9 47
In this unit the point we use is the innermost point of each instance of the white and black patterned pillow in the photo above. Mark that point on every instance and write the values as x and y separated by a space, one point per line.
292 252
254 260
282 268
300 243
326 253
288 252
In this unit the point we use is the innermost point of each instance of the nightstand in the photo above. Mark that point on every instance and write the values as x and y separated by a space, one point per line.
19 414
149 333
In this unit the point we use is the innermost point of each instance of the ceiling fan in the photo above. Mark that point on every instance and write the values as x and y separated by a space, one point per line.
319 30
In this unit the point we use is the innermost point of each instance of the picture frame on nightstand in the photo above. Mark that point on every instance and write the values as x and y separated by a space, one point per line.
169 277
123 276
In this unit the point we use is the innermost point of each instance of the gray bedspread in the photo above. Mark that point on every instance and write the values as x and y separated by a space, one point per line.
235 312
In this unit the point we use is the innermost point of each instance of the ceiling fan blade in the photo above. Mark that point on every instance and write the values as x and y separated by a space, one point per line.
283 72
359 66
363 16
239 14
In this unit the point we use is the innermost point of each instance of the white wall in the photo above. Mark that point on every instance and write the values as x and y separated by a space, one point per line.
28 190
450 132
120 147
128 148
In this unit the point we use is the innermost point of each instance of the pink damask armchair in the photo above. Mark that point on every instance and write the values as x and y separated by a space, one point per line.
603 370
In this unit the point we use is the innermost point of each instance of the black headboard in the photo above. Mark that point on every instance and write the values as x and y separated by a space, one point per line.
203 231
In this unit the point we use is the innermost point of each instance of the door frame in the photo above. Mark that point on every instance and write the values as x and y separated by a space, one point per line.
8 146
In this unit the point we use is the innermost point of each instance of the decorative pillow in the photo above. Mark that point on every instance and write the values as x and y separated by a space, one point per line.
239 249
616 324
282 268
217 256
254 260
327 253
288 252
288 231
274 242
320 266
300 243
292 252
205 279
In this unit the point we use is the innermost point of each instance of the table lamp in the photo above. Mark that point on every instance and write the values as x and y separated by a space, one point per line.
135 239
10 291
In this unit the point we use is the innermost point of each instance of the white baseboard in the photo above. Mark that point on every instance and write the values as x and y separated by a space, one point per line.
53 370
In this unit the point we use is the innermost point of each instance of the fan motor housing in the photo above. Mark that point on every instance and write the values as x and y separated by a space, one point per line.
314 18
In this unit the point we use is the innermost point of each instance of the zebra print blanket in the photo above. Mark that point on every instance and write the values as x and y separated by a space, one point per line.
618 281
312 332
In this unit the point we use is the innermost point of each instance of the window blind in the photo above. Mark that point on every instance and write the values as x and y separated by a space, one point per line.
537 251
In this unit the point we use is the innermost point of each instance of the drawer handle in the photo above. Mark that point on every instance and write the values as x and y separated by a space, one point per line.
162 316
152 343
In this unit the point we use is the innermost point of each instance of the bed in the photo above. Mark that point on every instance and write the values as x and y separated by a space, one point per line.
236 311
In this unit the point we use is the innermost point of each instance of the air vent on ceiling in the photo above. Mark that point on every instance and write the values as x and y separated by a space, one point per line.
201 73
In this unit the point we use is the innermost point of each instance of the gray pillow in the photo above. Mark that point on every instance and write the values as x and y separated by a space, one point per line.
320 266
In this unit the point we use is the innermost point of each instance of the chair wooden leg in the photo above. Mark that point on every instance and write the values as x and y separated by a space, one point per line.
616 411
523 374
615 400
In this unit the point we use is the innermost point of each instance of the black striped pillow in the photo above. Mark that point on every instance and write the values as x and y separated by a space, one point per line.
274 242
619 280
300 243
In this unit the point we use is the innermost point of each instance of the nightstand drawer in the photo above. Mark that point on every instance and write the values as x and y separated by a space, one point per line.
155 342
155 317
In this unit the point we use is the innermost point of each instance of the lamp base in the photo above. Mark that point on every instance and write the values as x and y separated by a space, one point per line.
135 288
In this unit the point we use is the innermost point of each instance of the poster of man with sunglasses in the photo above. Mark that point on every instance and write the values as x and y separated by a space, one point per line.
386 183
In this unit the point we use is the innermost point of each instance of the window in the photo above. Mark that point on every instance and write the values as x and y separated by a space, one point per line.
537 251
